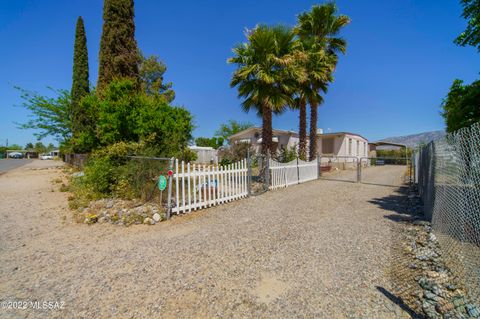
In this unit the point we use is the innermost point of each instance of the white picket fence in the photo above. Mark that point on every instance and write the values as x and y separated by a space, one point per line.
294 172
307 171
201 186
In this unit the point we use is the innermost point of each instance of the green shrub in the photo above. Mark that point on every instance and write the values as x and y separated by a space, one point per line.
287 155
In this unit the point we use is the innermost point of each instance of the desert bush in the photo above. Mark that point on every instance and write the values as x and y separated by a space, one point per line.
235 152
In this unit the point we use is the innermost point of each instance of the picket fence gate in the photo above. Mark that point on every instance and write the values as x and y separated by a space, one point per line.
200 186
294 172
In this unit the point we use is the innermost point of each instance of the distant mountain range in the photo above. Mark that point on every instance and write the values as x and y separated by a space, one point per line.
415 139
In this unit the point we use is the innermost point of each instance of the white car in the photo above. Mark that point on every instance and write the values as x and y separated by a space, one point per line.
46 157
15 155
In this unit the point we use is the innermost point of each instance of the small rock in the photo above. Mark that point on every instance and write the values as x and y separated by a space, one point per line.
102 220
109 204
473 311
149 221
444 306
451 287
459 302
425 283
421 222
431 296
157 217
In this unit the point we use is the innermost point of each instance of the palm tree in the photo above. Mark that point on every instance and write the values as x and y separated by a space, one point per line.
265 76
317 69
318 30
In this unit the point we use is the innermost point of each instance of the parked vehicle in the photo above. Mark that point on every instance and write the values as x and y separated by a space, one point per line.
46 157
15 155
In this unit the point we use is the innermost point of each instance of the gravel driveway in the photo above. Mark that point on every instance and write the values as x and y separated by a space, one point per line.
321 249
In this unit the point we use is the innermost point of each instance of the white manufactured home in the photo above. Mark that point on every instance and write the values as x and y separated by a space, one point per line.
340 144
282 139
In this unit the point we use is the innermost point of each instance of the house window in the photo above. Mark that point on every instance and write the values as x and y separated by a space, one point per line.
327 146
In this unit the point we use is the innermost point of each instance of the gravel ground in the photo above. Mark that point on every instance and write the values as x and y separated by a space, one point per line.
321 249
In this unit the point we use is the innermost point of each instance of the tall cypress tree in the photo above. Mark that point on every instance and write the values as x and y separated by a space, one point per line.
80 83
119 55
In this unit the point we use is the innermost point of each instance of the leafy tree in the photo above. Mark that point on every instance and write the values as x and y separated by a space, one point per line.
232 127
265 76
151 77
318 30
124 114
119 56
40 148
471 35
214 142
461 106
50 147
28 146
14 147
49 116
80 83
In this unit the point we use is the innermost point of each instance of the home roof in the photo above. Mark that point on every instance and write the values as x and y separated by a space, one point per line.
380 143
342 133
256 128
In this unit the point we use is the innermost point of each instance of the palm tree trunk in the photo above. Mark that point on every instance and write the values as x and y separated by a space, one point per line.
267 130
302 130
313 131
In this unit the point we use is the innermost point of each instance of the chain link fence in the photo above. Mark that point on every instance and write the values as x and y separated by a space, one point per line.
447 173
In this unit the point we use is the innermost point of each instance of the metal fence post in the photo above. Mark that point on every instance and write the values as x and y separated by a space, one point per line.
298 173
318 166
170 180
267 170
359 170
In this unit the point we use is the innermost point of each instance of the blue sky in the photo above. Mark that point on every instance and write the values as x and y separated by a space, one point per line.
400 61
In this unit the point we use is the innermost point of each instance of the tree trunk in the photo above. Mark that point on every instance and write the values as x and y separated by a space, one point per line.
267 130
302 130
313 131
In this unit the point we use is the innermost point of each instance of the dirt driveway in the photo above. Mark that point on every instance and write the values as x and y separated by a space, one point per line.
320 249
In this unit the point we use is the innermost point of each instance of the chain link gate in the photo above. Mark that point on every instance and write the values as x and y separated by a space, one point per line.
385 171
338 168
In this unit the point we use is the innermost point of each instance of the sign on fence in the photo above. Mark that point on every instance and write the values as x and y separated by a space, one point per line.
162 183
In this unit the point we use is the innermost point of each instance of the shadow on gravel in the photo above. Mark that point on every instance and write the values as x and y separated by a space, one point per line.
398 301
399 203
